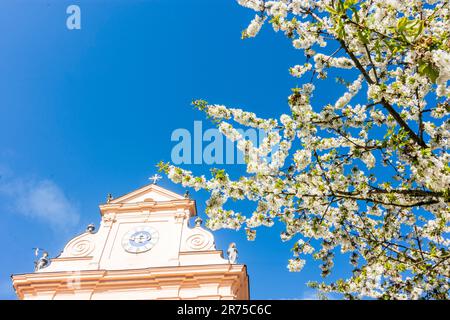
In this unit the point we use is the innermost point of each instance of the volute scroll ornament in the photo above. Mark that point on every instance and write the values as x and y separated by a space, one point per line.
198 238
198 241
80 248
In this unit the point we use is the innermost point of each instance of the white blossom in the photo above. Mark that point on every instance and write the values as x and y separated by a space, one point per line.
371 179
254 27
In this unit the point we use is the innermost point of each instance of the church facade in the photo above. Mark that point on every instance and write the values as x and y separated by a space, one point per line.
144 249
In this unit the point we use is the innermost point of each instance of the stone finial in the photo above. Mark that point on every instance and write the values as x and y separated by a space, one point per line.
198 222
90 228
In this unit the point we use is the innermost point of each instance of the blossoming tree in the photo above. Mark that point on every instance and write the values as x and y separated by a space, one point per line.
323 182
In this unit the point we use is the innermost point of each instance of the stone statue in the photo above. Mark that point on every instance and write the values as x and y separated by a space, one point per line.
109 198
186 194
42 262
232 253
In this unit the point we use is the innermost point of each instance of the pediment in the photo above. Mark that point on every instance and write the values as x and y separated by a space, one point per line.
151 192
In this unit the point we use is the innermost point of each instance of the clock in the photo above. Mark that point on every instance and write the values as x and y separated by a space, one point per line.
140 239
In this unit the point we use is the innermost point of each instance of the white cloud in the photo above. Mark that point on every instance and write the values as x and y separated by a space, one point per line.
43 200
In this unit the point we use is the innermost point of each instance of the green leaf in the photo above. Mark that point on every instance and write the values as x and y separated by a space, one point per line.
362 37
420 28
426 68
163 167
349 3
401 24
331 9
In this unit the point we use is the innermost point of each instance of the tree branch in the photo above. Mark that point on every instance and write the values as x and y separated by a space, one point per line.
385 104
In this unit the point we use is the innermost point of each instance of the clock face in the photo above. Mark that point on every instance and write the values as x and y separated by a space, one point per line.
140 239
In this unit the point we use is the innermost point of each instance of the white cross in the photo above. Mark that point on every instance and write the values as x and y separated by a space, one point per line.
155 178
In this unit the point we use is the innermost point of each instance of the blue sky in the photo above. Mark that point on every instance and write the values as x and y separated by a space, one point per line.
88 112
